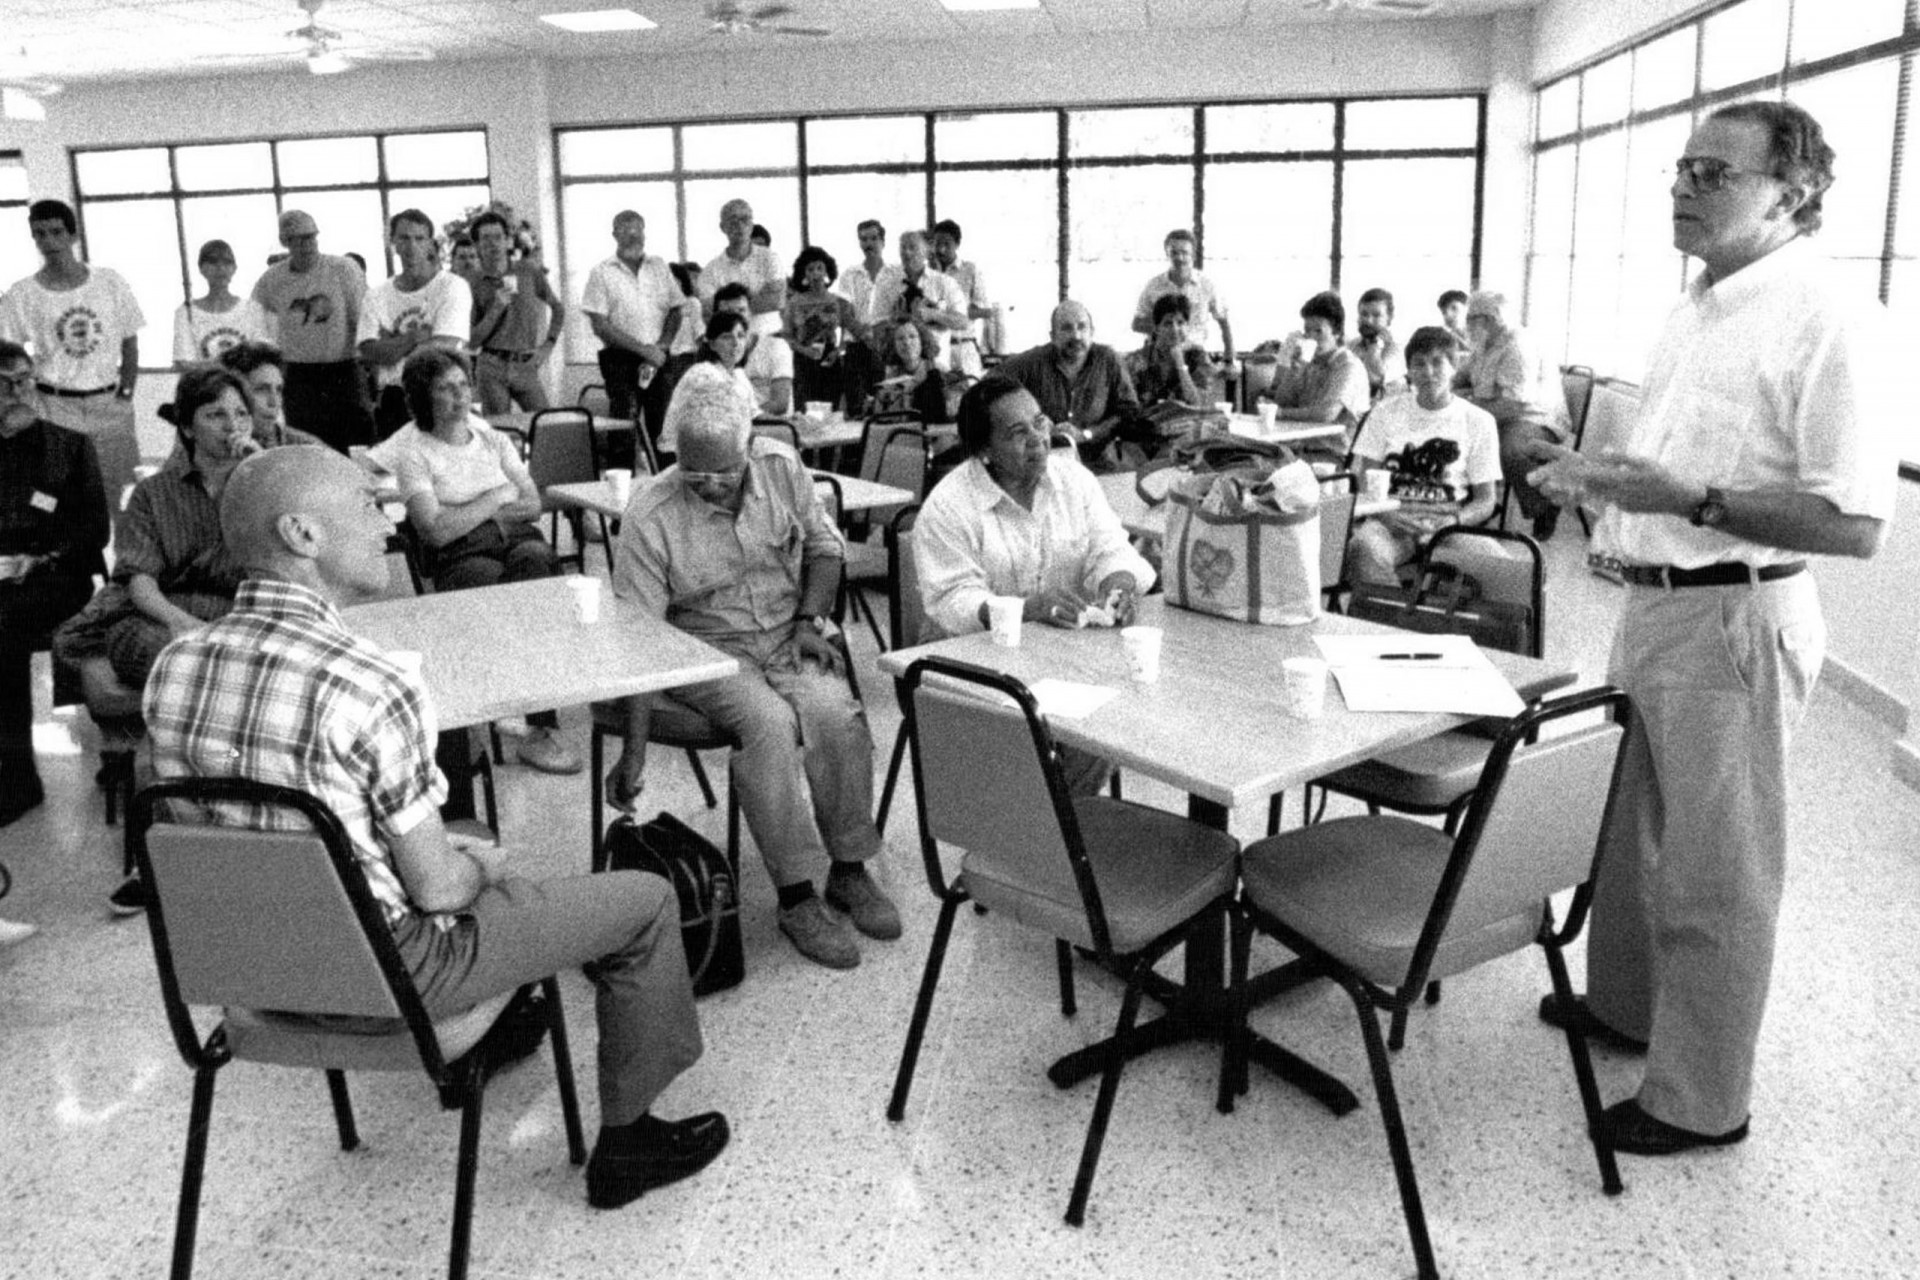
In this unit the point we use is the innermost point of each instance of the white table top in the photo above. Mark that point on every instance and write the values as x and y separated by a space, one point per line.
830 433
1143 521
505 650
1215 724
856 494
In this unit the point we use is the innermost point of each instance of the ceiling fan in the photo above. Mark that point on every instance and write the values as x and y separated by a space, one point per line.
731 18
325 53
1404 8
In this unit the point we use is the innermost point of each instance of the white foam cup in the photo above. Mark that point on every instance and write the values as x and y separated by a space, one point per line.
819 410
1379 483
622 482
586 597
1003 619
1305 687
1268 409
1143 652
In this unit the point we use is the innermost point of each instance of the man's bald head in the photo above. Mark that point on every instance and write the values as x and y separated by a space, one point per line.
1072 329
275 483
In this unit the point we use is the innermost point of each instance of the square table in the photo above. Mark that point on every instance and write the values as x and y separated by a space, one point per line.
1214 726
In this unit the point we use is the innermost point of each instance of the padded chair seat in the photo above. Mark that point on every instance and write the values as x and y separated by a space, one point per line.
353 1044
866 560
1430 774
674 724
1155 869
1361 888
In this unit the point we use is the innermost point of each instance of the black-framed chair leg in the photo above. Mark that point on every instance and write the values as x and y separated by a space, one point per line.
893 778
1397 1030
597 800
1103 1104
1583 1076
1396 1134
1233 1045
186 1225
342 1110
467 1172
1063 960
923 1005
563 1071
700 776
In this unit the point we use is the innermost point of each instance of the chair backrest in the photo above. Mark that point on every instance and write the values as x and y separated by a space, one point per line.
1611 408
561 449
988 782
1337 498
258 902
1535 823
876 437
828 487
593 398
1576 383
906 609
1509 567
778 429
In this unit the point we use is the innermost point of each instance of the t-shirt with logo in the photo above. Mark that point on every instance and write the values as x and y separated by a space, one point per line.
443 306
1435 456
315 313
199 334
75 334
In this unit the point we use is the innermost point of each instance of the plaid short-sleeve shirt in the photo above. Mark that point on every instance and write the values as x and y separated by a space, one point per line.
280 691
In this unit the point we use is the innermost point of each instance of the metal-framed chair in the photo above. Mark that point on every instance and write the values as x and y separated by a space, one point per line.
895 450
278 928
1126 882
1382 906
906 625
561 449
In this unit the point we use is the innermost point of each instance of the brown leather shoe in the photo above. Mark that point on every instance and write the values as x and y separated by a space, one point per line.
1574 1015
1629 1129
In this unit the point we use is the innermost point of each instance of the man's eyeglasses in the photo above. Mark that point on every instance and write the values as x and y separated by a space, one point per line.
1708 174
17 383
712 479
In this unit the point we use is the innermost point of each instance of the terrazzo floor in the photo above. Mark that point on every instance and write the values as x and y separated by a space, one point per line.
93 1097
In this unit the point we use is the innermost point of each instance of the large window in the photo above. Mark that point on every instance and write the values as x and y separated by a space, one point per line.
17 257
145 211
1602 271
1286 198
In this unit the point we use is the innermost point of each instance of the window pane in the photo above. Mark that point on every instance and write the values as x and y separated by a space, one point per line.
1137 131
776 206
1600 212
769 145
248 223
436 157
1593 326
1119 217
1835 26
140 240
1547 304
17 257
1560 108
1855 110
1743 43
1607 92
224 168
107 173
1013 230
1663 70
586 222
1903 305
328 162
1410 122
867 140
13 178
1906 229
839 203
584 152
1553 200
1407 227
349 221
1270 225
998 135
442 204
1651 151
1290 126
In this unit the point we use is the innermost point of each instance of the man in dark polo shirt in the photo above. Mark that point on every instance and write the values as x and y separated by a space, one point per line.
511 341
1080 385
315 301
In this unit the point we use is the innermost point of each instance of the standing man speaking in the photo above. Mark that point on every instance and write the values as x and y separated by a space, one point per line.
1767 433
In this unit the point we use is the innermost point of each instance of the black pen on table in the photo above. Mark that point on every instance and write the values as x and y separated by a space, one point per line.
1411 657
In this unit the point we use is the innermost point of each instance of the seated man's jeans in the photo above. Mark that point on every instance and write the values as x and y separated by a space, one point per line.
805 772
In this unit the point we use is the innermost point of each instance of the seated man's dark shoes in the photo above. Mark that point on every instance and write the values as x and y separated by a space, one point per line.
632 1159
1573 1015
1631 1130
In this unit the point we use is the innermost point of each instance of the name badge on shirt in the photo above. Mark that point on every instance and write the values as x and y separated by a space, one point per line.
43 502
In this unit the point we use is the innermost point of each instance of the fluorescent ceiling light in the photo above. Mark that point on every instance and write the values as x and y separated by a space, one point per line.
591 20
981 6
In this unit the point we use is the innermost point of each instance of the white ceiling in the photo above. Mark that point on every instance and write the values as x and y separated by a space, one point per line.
73 41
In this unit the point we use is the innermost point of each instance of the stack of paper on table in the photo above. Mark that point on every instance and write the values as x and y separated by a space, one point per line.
1409 671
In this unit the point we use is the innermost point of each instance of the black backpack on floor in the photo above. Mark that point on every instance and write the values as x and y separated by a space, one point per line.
708 888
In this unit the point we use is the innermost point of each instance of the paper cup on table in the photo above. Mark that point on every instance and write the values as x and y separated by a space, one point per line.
1003 620
1223 407
819 410
1379 482
586 598
1268 410
1143 652
1305 687
621 481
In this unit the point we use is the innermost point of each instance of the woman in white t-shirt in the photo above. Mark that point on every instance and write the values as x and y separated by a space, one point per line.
205 328
1444 456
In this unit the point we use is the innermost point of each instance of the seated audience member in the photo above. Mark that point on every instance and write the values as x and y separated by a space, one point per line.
1510 377
766 359
912 383
307 704
914 292
732 545
1442 452
172 573
1171 374
206 327
819 324
53 528
1332 385
1453 314
1019 519
1080 385
1376 346
473 504
1206 308
718 361
264 370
